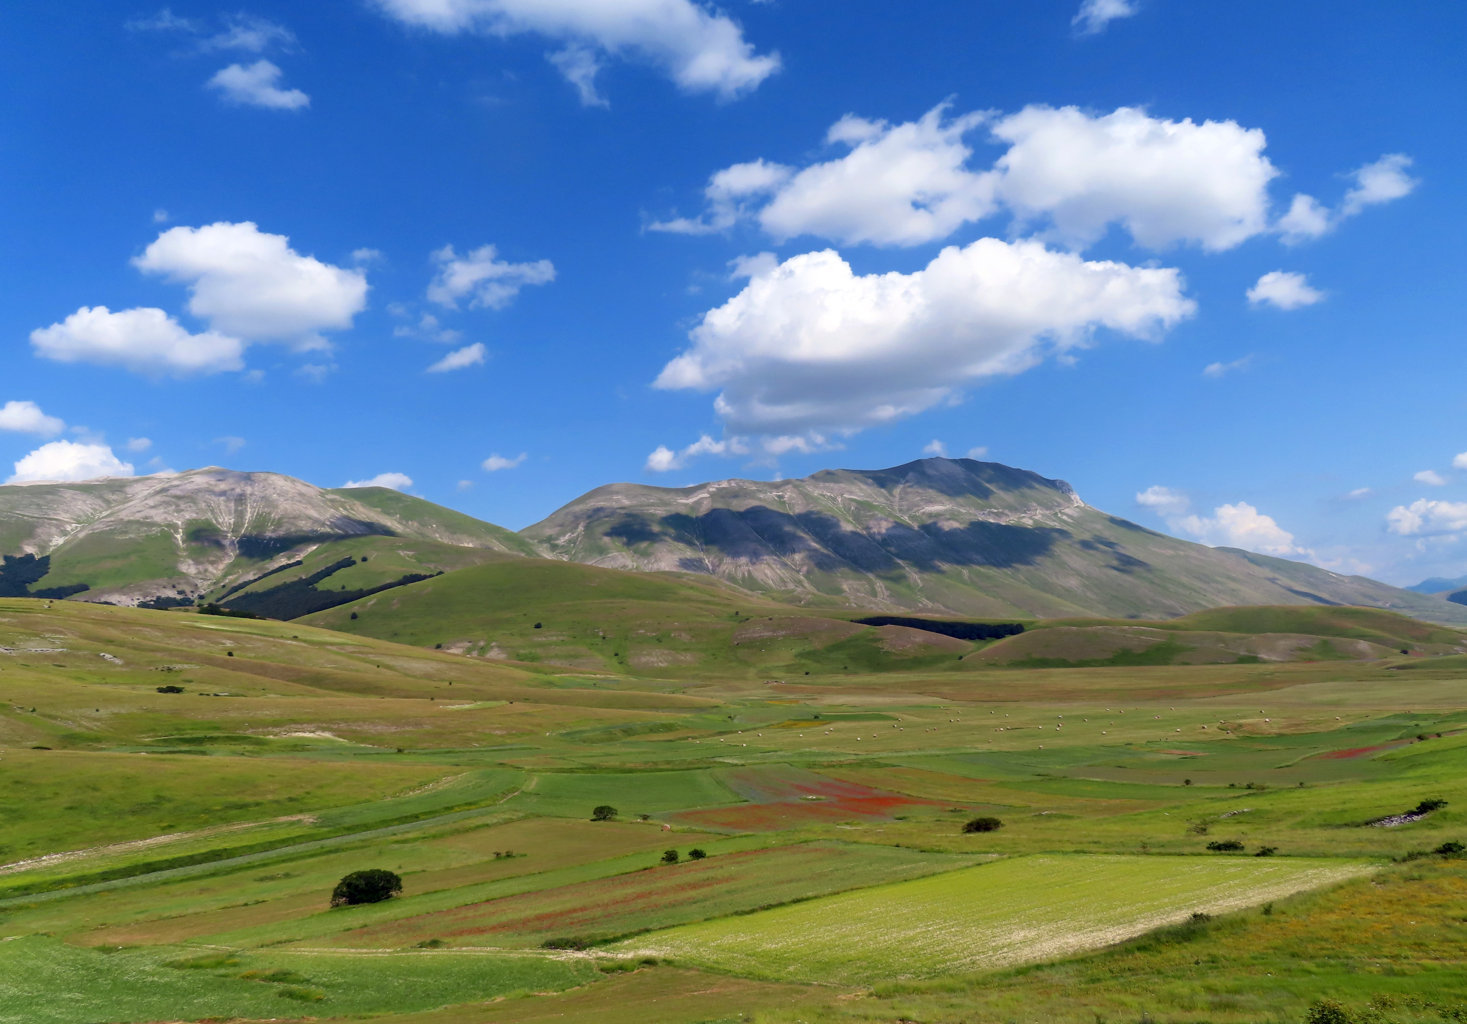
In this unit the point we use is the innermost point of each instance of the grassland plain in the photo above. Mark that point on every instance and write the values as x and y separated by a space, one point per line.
207 827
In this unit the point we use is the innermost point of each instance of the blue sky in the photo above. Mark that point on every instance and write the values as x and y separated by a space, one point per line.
1201 260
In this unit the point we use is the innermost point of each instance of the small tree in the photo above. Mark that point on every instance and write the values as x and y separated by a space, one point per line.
370 886
697 854
669 856
603 812
983 825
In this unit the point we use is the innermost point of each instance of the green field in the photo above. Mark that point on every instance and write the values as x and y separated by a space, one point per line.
1021 910
168 856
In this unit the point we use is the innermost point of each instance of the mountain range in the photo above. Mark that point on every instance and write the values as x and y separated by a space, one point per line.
943 537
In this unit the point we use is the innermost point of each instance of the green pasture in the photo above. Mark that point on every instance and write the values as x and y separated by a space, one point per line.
1013 911
211 829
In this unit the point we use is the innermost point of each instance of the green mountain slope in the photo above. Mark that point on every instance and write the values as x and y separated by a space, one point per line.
209 532
938 536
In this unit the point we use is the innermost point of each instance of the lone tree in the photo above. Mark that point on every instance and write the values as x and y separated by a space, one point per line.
669 856
370 886
603 812
697 854
983 825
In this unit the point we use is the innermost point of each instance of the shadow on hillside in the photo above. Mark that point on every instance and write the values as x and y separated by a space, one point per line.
759 533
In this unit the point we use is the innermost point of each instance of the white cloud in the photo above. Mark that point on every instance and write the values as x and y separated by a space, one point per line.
495 462
469 355
250 34
486 280
466 485
1360 492
1426 517
811 346
1169 504
257 85
428 328
935 448
252 284
146 341
1431 478
1383 181
1305 219
247 33
1284 290
393 481
1219 370
1241 526
979 451
1165 182
69 461
366 255
1095 15
580 65
160 216
1379 182
231 443
664 459
138 444
27 418
1459 461
731 193
702 50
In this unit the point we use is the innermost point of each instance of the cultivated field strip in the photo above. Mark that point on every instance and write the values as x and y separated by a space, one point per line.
1022 910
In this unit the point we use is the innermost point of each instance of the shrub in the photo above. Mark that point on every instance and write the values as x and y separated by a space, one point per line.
1427 806
170 689
1224 845
983 825
669 856
696 854
370 886
1451 849
1266 851
603 812
1327 1011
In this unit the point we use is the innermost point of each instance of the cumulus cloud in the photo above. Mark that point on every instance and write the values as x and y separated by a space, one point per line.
69 461
138 444
483 278
935 448
252 284
664 459
27 418
1382 181
1459 461
700 49
257 85
809 345
427 328
1219 370
145 340
469 355
1167 503
1430 477
495 462
1427 517
1095 15
1165 182
393 481
1241 526
1073 172
1284 290
1237 525
978 451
